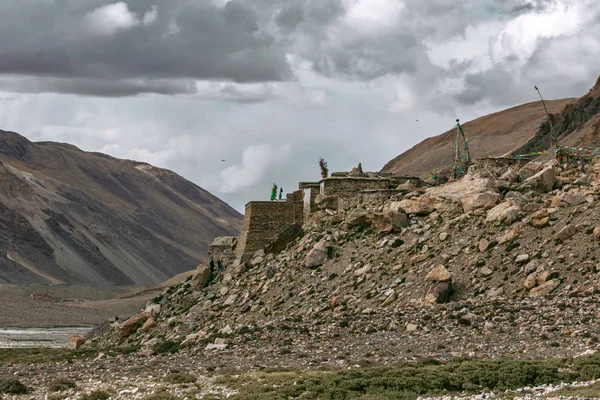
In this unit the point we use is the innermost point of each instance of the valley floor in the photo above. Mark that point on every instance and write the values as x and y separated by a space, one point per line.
101 374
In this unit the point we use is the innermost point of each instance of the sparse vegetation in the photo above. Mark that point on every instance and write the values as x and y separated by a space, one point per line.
179 378
96 395
168 346
12 386
61 384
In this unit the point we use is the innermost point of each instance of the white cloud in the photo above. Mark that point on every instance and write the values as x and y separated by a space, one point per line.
109 19
150 16
257 161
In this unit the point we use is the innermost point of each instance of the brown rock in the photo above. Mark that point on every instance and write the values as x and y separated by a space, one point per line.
76 341
358 218
540 222
202 276
480 200
419 258
529 282
483 245
149 324
132 324
317 255
545 276
546 288
543 180
421 206
508 236
565 233
597 232
439 292
439 274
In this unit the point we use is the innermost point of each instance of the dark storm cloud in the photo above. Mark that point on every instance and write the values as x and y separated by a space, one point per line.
172 40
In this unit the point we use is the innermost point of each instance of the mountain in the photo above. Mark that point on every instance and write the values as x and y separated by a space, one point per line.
69 216
499 133
519 130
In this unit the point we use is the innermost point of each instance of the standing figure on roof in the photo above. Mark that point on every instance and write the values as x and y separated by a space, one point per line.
274 192
280 193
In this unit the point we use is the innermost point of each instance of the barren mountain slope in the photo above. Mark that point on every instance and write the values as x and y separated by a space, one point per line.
497 133
67 216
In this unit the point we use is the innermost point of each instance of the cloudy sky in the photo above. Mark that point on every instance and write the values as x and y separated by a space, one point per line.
270 86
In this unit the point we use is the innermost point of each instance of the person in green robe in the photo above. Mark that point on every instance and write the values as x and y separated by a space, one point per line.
274 192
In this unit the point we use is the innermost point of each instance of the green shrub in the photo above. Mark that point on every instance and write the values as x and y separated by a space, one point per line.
177 378
168 346
96 395
61 384
12 386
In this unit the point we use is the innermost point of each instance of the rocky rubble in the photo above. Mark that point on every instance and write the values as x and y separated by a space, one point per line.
500 263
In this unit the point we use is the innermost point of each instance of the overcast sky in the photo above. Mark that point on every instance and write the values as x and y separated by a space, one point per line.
270 86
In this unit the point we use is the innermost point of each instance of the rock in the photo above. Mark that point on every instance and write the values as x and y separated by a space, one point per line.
419 258
485 271
132 324
257 261
221 341
146 352
152 309
327 202
540 222
522 258
572 199
488 326
358 218
423 205
503 212
495 293
443 236
390 299
75 342
411 327
565 233
438 274
532 266
202 276
483 245
483 200
149 324
389 222
363 270
597 232
546 288
230 300
317 256
213 346
439 292
508 236
529 282
545 276
226 331
543 180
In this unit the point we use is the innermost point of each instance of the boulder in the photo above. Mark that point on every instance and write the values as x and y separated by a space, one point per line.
149 324
565 233
327 202
483 200
529 282
75 342
503 212
483 245
485 271
540 222
202 276
572 199
438 274
390 299
423 205
388 222
230 300
542 181
132 324
317 255
508 236
597 232
411 327
439 292
545 288
358 218
522 258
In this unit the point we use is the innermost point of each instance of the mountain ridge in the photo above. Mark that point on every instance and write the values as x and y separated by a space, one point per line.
90 218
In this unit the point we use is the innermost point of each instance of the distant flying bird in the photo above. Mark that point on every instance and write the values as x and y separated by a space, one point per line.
222 160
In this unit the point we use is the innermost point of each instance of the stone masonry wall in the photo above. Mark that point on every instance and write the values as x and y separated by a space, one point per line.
352 186
264 220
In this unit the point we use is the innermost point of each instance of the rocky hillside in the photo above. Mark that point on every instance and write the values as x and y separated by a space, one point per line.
67 216
500 263
518 130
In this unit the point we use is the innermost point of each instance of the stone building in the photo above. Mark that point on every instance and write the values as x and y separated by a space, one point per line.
264 221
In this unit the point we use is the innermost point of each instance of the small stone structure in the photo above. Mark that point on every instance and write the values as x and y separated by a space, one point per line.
264 221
